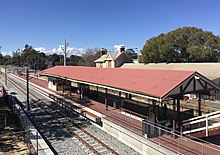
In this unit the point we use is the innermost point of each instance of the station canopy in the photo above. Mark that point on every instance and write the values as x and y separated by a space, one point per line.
154 83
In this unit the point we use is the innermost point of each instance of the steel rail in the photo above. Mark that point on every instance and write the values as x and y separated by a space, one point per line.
35 98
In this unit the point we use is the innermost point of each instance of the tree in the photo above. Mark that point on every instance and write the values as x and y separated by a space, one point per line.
32 58
1 59
90 56
74 60
40 62
54 58
16 58
131 53
187 44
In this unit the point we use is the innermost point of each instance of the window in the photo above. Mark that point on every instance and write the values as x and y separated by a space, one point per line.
109 64
54 81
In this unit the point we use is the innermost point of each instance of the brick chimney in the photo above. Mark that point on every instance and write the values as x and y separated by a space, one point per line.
102 51
122 49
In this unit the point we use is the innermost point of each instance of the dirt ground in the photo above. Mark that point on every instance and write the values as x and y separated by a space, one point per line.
12 136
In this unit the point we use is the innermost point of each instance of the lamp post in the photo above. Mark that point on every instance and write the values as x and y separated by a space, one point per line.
27 78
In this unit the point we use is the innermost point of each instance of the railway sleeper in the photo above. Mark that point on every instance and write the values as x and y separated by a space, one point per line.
85 138
98 147
83 147
91 140
78 131
87 150
62 119
70 125
102 150
95 144
82 135
88 139
73 128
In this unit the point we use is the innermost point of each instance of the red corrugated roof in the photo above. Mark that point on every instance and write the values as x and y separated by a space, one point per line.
153 82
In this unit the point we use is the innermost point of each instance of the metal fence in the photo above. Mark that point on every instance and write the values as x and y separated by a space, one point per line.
175 141
32 136
162 136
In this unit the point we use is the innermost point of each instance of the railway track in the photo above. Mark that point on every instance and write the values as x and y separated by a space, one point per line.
67 119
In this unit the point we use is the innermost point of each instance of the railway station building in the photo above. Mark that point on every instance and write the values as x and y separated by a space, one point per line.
112 59
151 94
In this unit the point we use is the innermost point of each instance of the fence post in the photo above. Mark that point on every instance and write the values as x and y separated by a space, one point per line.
178 144
29 139
129 122
202 149
159 135
207 125
37 140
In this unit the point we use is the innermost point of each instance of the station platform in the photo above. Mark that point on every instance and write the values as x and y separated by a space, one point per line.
97 111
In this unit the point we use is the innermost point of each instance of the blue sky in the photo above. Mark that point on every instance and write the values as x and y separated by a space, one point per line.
44 24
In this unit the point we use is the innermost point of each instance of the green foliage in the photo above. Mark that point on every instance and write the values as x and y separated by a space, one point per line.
54 58
38 61
87 59
74 60
132 54
1 56
32 58
2 61
187 44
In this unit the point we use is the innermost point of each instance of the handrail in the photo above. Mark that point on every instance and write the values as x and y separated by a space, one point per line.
202 128
201 120
203 116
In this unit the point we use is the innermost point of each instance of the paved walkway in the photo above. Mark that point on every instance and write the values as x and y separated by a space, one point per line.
182 145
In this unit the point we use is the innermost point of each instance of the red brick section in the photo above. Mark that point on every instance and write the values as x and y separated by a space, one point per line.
180 145
212 132
153 82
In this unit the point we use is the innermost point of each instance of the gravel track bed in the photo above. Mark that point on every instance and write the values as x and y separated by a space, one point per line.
62 141
117 145
109 140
